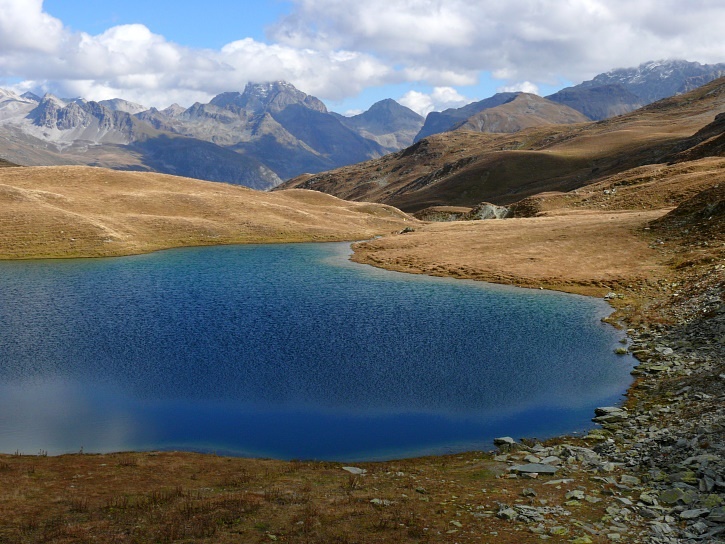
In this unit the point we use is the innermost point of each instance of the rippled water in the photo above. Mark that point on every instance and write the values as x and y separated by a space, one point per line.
289 351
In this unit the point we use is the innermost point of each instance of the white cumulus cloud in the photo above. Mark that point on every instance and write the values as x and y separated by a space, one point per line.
132 62
541 41
441 98
524 87
335 50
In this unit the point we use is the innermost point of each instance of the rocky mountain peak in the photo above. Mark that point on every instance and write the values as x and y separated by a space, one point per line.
173 110
388 113
654 80
50 100
271 97
30 96
5 94
10 97
119 104
12 105
389 105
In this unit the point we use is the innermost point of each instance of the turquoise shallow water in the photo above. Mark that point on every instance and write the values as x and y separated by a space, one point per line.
289 351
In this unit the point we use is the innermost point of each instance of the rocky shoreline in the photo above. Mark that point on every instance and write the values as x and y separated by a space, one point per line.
659 461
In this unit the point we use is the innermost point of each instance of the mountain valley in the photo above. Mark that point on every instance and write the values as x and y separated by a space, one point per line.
464 168
629 208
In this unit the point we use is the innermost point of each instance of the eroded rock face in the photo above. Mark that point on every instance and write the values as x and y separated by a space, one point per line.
486 210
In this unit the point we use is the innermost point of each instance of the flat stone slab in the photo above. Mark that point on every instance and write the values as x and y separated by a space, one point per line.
538 468
606 410
694 514
355 470
551 460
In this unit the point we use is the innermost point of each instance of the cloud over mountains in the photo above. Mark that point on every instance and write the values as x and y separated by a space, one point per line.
336 49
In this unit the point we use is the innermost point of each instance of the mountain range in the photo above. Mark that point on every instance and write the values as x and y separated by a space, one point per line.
269 132
610 94
272 132
464 168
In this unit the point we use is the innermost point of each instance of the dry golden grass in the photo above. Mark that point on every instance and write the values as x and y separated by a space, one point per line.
589 241
186 497
651 187
78 211
584 252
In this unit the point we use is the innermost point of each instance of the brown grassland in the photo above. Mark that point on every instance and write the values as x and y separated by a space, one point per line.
79 211
466 168
591 240
582 242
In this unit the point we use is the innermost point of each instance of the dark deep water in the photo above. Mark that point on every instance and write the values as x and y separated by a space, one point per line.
289 351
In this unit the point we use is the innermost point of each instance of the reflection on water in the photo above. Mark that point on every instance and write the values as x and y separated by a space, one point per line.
288 351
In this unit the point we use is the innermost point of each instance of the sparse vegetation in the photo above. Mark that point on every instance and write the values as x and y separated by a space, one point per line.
94 497
661 264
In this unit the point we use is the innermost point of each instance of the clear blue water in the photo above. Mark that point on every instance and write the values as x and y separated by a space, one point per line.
289 351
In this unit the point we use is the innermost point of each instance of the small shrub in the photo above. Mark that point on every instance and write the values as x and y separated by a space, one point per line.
79 505
354 481
120 502
127 461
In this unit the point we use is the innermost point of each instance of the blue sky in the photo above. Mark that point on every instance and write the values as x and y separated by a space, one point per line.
184 21
427 54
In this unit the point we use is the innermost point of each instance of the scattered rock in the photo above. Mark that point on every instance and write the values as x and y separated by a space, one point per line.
534 468
507 513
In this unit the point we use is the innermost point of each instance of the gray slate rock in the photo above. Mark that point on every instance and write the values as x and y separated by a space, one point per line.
538 468
694 514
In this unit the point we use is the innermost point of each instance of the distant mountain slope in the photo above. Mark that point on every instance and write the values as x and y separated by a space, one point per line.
388 123
600 102
652 81
626 89
52 131
193 158
273 131
67 122
522 111
466 168
437 122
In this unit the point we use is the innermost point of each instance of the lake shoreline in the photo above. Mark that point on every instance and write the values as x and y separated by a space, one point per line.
471 382
674 413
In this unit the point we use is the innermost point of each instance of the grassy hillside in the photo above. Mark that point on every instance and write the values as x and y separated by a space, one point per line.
78 211
465 168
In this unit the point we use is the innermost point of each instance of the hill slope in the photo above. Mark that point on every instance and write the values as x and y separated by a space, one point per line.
443 121
78 211
466 168
523 111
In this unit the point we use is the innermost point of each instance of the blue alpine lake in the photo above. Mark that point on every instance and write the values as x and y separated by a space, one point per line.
289 351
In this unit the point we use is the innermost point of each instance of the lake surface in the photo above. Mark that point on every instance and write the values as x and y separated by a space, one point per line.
289 351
